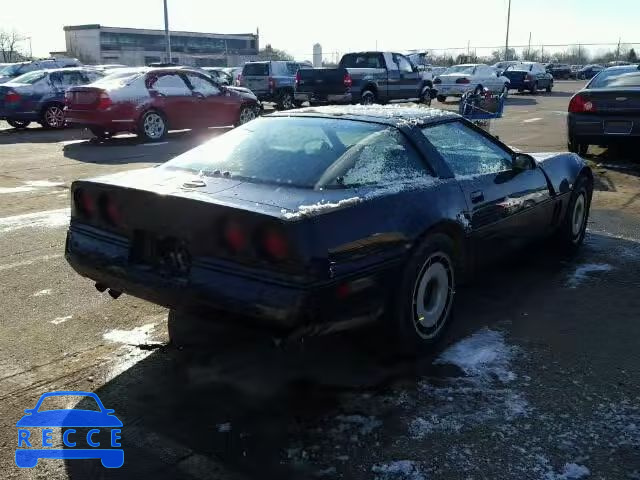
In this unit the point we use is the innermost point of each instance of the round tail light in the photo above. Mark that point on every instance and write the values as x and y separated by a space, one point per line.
275 244
84 203
234 237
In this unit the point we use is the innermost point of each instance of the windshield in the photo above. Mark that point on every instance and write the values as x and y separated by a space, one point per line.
279 150
461 69
617 77
30 78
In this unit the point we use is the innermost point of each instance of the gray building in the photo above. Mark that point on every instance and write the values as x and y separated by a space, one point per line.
98 44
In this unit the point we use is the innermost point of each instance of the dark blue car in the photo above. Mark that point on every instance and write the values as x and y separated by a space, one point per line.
38 96
62 418
321 219
589 71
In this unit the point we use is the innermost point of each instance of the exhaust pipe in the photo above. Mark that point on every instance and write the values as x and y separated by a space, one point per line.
114 293
101 287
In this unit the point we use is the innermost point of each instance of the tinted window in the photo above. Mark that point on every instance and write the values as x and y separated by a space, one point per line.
617 77
362 60
168 84
202 85
466 151
67 79
256 69
289 150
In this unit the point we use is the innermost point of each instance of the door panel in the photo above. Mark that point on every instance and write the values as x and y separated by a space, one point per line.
214 106
172 95
409 80
507 207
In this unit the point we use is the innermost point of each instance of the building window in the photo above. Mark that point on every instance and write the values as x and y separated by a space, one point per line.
148 60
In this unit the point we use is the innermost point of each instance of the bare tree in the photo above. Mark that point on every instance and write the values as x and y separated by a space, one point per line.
9 42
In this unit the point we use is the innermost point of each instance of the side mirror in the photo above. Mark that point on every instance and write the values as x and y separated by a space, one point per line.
522 161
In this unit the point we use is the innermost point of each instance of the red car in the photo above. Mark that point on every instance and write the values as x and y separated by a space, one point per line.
151 101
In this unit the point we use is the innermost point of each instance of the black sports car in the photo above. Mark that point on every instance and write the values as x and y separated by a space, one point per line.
606 111
318 219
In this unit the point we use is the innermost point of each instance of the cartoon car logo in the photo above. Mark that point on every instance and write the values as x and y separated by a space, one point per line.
96 419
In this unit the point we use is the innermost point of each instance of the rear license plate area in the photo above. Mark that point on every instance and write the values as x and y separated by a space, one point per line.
165 255
618 127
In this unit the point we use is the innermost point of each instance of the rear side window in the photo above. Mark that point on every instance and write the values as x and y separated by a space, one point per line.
380 158
256 69
67 79
170 84
362 60
202 86
466 151
292 68
31 77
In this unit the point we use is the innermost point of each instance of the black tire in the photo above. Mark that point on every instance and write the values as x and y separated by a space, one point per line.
441 98
579 148
478 90
521 90
298 104
52 116
505 91
18 123
368 97
247 113
534 88
571 232
425 96
152 126
285 100
549 87
432 262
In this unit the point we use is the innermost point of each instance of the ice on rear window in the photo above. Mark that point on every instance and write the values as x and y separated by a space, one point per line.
306 152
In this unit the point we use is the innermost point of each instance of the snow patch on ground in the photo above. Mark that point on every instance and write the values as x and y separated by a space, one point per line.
571 471
59 320
317 208
583 272
398 470
30 186
46 219
135 336
484 354
46 291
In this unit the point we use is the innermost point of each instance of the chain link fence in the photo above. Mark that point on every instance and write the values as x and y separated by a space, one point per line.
573 54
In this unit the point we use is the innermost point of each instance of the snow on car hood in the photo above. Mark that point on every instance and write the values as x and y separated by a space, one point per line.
245 92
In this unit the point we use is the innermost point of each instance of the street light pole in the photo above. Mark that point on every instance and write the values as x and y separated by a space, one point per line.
506 43
167 37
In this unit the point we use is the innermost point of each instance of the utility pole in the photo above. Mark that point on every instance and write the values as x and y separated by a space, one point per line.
506 43
167 37
618 51
30 49
579 53
542 54
468 48
529 49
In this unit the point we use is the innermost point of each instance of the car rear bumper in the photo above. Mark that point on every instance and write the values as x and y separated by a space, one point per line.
329 98
454 90
92 118
214 286
9 114
592 129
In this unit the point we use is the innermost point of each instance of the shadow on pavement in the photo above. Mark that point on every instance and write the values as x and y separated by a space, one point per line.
41 135
236 409
520 100
130 149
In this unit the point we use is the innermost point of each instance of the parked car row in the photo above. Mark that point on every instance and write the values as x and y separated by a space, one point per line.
145 101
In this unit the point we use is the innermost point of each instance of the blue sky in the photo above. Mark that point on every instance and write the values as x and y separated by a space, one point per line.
343 26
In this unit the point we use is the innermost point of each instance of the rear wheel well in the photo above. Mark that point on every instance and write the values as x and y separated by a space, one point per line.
461 252
371 87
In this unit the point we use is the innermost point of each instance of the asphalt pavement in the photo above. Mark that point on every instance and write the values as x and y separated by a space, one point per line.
537 378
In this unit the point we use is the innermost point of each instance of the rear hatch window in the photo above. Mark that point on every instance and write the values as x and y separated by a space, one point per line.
256 69
302 152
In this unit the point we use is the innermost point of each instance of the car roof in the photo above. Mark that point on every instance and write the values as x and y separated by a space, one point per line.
394 115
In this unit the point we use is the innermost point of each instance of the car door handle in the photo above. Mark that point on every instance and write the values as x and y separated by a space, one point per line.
477 196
